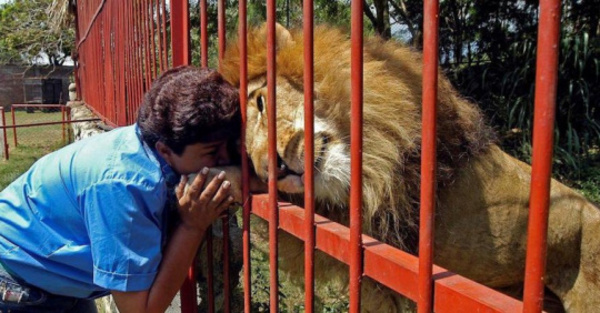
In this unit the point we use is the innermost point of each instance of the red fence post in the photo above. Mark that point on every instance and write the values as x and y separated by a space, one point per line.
543 139
4 142
221 29
309 158
225 220
164 34
272 139
63 119
428 155
245 164
203 34
356 143
69 131
14 123
180 46
153 40
180 32
210 275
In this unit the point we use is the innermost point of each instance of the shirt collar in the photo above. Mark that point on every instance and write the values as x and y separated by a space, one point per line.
171 177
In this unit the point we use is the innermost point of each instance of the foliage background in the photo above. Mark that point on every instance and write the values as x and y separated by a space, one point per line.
27 35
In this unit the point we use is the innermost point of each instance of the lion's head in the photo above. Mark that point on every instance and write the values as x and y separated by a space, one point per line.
392 125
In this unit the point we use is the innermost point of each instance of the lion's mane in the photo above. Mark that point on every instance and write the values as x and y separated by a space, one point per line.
392 119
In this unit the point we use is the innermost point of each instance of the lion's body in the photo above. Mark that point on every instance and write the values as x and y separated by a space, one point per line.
481 231
483 193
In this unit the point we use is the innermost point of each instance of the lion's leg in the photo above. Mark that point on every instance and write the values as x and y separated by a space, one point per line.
573 266
481 231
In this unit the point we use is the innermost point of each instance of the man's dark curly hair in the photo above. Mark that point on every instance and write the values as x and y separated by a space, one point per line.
188 105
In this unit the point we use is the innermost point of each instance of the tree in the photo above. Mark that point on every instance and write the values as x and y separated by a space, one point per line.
488 50
26 36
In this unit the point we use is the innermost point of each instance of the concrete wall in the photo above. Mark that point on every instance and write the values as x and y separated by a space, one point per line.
12 78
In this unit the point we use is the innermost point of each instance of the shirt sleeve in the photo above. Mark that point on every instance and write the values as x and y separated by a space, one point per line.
125 230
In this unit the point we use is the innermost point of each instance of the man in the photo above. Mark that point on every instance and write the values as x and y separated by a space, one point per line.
91 218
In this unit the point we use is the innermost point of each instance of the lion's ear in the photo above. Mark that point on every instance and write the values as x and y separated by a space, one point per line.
282 35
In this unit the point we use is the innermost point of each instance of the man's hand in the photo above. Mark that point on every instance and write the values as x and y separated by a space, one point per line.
200 205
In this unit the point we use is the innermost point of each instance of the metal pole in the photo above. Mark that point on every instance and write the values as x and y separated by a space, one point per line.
153 44
70 131
4 142
245 164
272 151
210 276
203 34
309 156
225 220
543 139
356 145
63 119
14 123
164 34
180 45
221 29
428 155
180 32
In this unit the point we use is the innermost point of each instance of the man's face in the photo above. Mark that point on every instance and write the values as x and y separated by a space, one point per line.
195 156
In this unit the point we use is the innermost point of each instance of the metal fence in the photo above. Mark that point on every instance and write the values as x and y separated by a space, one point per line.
123 45
33 125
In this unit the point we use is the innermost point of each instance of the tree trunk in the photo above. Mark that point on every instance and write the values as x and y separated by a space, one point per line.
383 19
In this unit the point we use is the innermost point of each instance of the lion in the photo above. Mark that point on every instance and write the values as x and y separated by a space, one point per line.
483 193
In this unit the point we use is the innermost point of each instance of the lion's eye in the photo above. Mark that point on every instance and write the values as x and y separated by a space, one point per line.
260 103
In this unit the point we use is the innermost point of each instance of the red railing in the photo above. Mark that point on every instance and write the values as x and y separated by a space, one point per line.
118 58
36 121
65 113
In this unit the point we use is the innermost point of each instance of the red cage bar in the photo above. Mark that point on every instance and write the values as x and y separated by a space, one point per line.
428 154
164 34
221 28
203 34
180 36
225 220
309 158
356 261
210 275
272 139
543 139
245 165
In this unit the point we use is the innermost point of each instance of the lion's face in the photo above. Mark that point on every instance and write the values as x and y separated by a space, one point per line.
331 159
391 125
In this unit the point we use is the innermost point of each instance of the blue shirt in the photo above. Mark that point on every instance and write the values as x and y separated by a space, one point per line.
89 217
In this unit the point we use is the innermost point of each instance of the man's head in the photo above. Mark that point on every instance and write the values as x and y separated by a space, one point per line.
190 115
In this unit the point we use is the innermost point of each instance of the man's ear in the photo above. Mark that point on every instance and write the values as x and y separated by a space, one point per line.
164 151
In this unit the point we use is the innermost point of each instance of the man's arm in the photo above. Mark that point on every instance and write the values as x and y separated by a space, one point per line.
198 209
174 267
